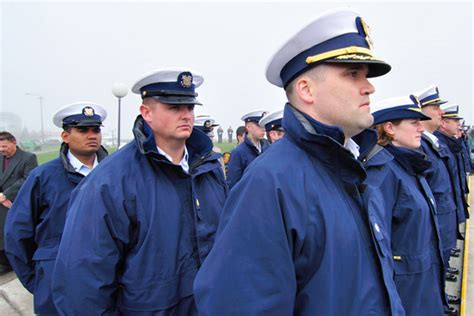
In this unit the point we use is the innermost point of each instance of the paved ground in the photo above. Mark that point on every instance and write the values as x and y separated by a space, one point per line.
15 300
469 293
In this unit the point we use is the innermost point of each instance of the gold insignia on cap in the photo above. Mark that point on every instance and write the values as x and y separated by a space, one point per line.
355 56
366 29
88 111
144 93
351 50
417 101
186 81
207 124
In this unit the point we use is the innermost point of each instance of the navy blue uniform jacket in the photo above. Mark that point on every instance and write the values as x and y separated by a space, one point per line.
409 208
295 239
444 192
35 224
466 154
458 168
241 157
138 229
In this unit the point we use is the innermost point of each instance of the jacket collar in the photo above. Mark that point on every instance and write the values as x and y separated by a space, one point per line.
453 143
413 161
101 155
376 157
324 143
198 144
263 145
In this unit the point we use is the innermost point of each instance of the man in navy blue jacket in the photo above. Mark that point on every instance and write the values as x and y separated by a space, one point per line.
448 134
295 236
253 145
445 192
139 227
36 221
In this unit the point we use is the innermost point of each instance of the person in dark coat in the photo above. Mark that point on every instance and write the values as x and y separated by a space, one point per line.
36 221
220 133
230 131
295 237
408 205
442 178
447 133
253 145
465 146
15 166
140 226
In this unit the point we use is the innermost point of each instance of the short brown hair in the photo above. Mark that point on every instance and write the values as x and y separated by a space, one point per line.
382 137
7 136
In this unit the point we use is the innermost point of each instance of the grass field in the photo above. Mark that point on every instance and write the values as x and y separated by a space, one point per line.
53 152
226 146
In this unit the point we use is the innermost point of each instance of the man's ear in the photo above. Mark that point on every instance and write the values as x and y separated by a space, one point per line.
65 136
146 112
303 89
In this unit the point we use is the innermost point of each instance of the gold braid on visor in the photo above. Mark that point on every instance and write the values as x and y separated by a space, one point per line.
347 52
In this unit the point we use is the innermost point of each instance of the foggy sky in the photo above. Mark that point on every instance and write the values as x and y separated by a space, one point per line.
70 52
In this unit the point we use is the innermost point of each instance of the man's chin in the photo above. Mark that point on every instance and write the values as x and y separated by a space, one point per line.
183 135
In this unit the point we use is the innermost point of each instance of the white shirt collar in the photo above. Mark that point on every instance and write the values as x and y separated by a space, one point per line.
79 166
352 147
432 137
183 163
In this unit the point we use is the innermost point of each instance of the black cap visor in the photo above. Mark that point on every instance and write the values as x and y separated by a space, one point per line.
377 68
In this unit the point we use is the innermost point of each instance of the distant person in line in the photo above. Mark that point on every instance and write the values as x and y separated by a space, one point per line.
409 208
240 134
295 236
15 166
442 178
220 133
253 145
462 134
272 124
36 221
230 131
140 226
207 124
446 133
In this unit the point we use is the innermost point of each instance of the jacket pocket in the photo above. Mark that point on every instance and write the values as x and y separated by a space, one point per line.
444 204
156 295
48 252
411 264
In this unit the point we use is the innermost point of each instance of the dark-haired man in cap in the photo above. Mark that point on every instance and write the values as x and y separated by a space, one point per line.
15 166
36 221
449 134
141 225
441 177
295 237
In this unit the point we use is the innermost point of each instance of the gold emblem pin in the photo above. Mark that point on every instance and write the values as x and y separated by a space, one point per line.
88 111
366 29
186 81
